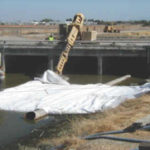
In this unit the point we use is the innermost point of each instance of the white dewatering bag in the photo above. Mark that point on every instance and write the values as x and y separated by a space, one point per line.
57 96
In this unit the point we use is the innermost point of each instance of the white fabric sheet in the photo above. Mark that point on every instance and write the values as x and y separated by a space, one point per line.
57 96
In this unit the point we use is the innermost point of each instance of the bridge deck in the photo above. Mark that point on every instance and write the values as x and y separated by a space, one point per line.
99 49
84 48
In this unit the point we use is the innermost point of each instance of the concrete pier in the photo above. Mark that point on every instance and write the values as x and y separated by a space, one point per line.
100 65
148 60
2 62
51 63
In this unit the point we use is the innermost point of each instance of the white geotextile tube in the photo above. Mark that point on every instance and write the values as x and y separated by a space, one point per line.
54 95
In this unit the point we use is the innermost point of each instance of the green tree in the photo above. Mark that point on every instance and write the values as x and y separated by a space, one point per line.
69 19
46 20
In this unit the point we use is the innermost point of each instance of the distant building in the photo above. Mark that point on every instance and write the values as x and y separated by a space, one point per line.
35 22
68 22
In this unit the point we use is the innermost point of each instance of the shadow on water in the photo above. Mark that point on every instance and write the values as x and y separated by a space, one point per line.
29 66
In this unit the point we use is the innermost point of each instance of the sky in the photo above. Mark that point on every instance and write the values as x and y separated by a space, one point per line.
108 10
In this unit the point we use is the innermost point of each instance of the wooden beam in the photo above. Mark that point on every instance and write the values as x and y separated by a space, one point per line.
118 80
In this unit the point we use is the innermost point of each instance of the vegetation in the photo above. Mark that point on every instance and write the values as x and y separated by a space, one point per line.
146 23
102 22
2 23
134 22
113 119
93 21
69 19
46 20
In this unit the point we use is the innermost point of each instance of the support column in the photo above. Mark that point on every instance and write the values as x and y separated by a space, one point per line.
100 65
2 62
51 63
148 60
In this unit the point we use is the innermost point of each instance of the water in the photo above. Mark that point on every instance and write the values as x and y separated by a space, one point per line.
13 125
92 79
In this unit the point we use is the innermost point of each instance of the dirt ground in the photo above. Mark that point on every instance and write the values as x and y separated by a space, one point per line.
38 33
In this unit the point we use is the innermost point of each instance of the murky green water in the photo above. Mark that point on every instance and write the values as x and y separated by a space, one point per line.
13 125
91 79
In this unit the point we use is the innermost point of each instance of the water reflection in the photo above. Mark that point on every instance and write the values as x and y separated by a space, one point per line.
13 126
14 79
1 117
1 84
93 79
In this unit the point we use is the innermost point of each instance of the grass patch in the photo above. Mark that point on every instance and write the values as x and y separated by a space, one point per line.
113 119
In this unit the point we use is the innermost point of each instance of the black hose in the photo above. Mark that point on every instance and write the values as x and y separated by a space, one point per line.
129 129
105 133
117 139
145 127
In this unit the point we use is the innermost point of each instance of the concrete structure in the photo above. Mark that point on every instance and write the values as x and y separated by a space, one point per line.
89 35
98 49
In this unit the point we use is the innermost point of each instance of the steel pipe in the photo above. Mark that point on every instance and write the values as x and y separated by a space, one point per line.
36 114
